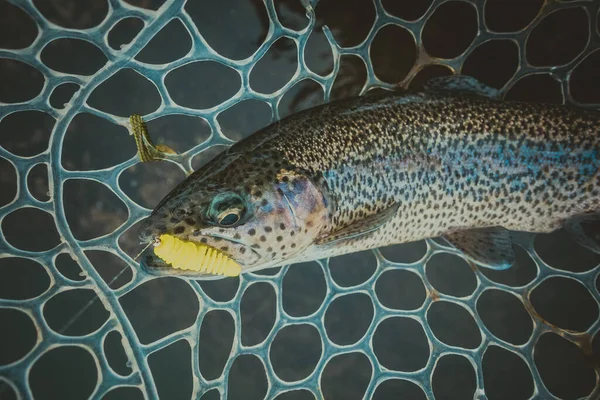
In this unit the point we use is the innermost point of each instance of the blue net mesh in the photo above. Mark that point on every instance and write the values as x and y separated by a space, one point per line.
381 356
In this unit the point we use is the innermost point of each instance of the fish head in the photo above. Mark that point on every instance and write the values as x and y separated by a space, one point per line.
258 216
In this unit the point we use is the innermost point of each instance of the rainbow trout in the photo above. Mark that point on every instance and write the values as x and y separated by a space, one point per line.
452 160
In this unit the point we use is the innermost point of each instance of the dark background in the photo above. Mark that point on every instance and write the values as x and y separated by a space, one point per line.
529 52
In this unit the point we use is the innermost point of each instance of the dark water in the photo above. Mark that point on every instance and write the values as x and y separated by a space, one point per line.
353 295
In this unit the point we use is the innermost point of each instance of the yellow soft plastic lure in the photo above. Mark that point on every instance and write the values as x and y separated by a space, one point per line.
194 257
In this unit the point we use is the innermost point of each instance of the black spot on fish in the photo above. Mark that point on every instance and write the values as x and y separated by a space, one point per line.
190 221
269 249
204 240
243 250
268 229
252 232
263 239
179 230
279 238
283 247
237 236
264 202
174 220
224 248
293 245
196 233
255 246
282 226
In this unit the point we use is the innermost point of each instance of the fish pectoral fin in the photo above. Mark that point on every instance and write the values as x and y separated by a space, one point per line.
489 247
574 227
360 227
460 84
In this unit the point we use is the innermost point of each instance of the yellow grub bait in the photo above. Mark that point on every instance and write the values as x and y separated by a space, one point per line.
194 257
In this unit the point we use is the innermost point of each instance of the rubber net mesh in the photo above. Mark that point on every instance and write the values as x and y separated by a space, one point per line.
385 323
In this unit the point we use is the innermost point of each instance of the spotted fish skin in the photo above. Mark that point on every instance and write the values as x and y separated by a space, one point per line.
452 162
384 169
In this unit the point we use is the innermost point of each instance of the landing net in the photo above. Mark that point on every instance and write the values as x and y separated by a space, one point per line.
405 345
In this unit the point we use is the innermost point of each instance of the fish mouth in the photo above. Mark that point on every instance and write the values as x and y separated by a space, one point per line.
154 265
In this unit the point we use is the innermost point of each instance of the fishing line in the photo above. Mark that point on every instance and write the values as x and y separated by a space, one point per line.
143 250
79 313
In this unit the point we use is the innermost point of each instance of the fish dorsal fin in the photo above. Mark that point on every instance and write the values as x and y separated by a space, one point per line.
460 84
488 247
360 227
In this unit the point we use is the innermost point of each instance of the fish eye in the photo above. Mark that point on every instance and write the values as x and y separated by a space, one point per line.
229 218
227 210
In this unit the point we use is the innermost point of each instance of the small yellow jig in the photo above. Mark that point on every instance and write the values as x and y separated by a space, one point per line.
194 257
